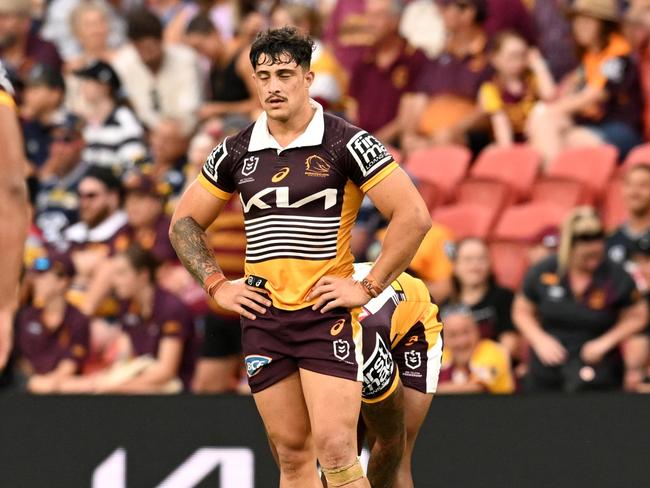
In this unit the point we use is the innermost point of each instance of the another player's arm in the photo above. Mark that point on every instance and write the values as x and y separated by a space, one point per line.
196 210
14 218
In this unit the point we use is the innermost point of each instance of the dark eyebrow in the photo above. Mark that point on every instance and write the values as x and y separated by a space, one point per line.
286 71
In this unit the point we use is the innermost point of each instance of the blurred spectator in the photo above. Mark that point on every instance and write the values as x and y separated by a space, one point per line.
157 347
444 108
543 245
575 310
83 29
348 33
113 134
636 196
471 364
20 48
388 69
637 29
52 336
41 111
160 80
521 78
422 27
330 83
601 103
231 88
512 15
474 287
174 15
554 36
57 201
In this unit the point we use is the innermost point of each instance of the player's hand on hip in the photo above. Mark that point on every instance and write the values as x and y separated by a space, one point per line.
331 292
240 298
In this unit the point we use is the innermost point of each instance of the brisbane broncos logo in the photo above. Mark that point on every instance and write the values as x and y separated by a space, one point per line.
317 166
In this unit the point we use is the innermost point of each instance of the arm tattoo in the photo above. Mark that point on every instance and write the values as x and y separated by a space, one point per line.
189 241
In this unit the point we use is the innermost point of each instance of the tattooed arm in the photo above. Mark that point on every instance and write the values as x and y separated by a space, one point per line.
196 210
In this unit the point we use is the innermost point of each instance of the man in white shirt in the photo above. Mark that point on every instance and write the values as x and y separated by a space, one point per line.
160 80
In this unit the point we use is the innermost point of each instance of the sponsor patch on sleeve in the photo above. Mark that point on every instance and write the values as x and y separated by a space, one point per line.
368 152
211 166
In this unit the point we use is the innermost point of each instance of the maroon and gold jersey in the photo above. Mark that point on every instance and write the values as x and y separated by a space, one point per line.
6 90
300 202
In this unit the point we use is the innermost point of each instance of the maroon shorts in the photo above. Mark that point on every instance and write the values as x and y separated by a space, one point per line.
280 342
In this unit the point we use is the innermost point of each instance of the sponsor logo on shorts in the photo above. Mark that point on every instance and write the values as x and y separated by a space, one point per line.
378 369
317 166
250 165
337 327
255 363
413 359
341 349
280 175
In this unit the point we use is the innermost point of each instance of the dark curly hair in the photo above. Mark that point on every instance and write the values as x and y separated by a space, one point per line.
276 44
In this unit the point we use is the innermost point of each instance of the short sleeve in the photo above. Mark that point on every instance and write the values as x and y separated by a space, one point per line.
216 176
367 160
530 287
177 322
79 347
489 98
627 292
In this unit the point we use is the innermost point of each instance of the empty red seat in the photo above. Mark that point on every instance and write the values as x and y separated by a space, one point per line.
466 219
524 222
561 191
518 166
509 262
491 193
443 166
593 166
613 210
638 155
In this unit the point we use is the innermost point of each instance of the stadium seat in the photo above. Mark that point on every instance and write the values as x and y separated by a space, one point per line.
443 166
561 191
518 166
466 219
640 154
491 193
593 166
509 262
524 222
613 209
429 193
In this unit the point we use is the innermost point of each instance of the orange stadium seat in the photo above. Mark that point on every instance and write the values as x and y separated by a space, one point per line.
491 193
561 191
443 166
640 154
593 166
613 209
465 219
518 166
509 262
523 222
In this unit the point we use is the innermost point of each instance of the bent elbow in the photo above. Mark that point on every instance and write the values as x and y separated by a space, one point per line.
422 222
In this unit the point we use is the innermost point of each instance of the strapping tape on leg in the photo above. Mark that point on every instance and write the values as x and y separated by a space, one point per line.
345 475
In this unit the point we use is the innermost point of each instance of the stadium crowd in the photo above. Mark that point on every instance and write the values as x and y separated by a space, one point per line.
522 122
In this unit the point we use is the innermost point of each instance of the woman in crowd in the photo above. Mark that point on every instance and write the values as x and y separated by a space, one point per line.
601 101
575 309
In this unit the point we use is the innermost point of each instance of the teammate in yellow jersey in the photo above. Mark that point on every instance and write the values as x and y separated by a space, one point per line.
402 350
13 212
301 175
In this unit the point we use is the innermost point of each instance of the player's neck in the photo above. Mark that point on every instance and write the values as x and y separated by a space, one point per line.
286 131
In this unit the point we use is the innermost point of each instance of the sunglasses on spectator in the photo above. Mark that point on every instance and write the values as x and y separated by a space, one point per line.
589 236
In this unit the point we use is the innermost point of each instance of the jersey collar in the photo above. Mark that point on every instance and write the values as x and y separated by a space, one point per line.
261 138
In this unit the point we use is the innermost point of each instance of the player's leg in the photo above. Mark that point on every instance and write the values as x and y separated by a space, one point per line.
384 421
334 405
416 406
286 420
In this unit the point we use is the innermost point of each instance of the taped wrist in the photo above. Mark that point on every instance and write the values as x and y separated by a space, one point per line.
344 475
213 283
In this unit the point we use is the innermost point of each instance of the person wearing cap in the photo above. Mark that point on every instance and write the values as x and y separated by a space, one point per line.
52 336
114 136
20 47
41 111
543 244
601 102
13 211
575 309
471 364
57 203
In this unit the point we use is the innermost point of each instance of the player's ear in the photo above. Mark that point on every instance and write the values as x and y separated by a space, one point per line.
309 77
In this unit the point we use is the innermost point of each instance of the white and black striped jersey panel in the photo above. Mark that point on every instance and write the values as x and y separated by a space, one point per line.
119 141
291 236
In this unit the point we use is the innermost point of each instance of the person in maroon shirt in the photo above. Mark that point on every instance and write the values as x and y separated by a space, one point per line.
52 336
387 70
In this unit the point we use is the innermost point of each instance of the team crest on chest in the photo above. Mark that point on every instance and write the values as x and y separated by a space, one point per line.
250 165
317 166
